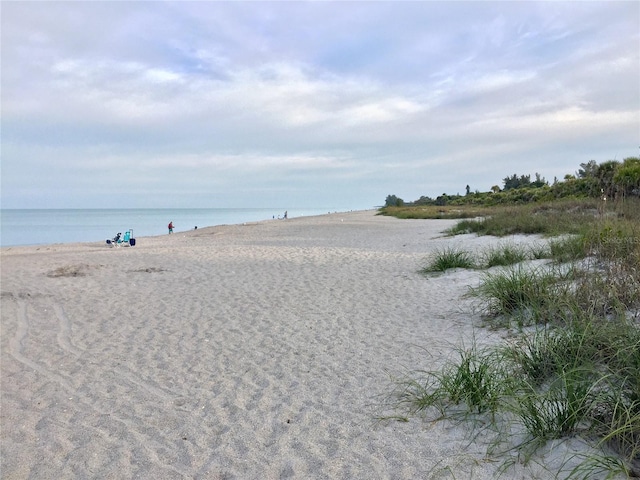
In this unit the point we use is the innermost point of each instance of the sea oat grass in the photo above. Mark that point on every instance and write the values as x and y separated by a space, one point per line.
578 373
581 378
611 289
545 219
538 251
476 380
523 292
533 354
616 421
504 255
474 383
467 226
601 467
559 410
435 212
568 249
449 258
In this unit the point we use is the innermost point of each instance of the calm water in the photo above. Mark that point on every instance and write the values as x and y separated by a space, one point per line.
41 227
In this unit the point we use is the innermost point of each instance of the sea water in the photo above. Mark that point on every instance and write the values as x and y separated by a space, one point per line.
48 226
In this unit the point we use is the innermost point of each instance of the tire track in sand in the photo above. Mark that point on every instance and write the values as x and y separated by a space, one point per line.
16 349
64 332
63 339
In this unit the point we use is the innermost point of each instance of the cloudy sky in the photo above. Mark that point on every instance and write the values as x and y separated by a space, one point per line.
307 104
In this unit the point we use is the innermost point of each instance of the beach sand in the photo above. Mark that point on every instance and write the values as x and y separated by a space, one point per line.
257 351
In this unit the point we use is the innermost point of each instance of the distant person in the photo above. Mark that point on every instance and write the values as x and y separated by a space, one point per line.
285 215
170 226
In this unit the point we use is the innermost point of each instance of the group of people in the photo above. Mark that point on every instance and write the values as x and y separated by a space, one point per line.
170 226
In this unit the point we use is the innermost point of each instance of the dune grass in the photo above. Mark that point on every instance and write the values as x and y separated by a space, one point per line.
526 219
568 248
578 371
449 258
538 251
476 382
554 383
432 212
528 295
554 218
501 255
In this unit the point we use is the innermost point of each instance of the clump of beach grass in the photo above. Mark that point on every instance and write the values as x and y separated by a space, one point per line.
449 258
467 226
476 382
559 410
568 249
526 219
503 255
435 212
578 371
528 294
539 251
578 379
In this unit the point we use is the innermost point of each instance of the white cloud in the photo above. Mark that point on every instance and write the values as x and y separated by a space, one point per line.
363 97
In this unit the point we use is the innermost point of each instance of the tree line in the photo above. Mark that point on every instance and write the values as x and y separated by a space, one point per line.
611 179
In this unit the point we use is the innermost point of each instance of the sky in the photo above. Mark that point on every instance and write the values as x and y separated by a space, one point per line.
289 104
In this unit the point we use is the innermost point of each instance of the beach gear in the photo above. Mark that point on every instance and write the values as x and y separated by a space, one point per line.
118 240
115 240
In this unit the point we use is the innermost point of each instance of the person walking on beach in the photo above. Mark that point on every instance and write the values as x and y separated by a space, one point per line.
170 227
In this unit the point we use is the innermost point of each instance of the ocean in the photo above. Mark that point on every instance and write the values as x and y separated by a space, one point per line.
48 226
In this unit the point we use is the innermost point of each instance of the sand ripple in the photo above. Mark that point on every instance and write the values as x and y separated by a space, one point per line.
251 352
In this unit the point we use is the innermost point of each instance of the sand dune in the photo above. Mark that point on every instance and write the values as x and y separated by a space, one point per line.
257 351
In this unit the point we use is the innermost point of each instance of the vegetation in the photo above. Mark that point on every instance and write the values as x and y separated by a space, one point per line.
502 255
572 366
527 294
393 201
449 258
548 218
612 180
435 212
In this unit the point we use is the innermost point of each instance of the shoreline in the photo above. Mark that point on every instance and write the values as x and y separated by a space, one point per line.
177 232
40 227
252 351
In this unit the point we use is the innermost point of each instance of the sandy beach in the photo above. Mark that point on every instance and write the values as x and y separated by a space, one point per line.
257 351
